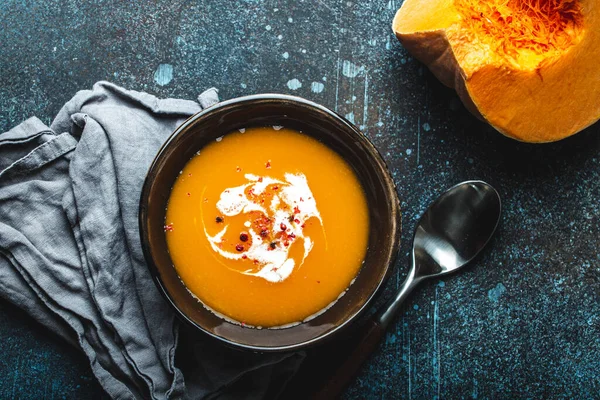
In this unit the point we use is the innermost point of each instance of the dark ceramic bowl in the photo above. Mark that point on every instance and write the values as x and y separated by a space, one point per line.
313 120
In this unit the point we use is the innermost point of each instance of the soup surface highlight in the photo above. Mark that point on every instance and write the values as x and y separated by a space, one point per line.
267 226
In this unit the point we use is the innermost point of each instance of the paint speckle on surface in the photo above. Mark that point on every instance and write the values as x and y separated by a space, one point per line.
426 127
243 85
441 284
294 84
416 307
317 87
408 152
286 55
350 69
290 19
279 37
268 27
164 74
497 292
350 117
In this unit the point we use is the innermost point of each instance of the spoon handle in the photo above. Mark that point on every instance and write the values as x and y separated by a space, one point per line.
369 337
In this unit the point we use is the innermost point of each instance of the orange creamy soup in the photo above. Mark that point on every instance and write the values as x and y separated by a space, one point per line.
267 226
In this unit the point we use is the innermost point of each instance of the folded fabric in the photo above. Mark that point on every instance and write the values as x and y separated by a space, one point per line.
70 253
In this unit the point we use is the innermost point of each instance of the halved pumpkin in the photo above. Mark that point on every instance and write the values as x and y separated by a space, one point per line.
530 68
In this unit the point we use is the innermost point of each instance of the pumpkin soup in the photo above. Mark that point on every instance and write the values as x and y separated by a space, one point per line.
267 227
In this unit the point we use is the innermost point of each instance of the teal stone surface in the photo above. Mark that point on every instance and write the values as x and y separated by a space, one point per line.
523 321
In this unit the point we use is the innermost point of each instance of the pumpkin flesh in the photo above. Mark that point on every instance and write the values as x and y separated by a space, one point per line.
527 67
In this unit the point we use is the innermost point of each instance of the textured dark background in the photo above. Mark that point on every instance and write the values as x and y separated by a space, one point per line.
522 321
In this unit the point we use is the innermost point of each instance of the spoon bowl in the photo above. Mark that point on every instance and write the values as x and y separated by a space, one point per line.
455 228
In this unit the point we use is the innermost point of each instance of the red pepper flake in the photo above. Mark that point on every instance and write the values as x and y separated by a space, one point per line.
282 226
297 221
190 174
243 324
272 245
275 187
296 210
239 247
286 243
255 261
244 237
219 220
244 256
238 169
226 191
302 226
188 194
264 233
292 236
301 199
169 227
260 179
268 164
318 281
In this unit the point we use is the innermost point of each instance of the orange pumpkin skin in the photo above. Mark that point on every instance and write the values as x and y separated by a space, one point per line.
527 67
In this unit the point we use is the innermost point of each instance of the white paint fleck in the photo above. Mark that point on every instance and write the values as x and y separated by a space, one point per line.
388 44
54 49
164 74
243 85
324 79
380 124
408 152
426 127
350 117
268 27
366 100
317 87
276 9
286 55
351 70
353 99
373 42
294 84
304 51
280 37
290 19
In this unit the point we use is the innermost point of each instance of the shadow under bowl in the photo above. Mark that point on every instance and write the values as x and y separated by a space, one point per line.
313 120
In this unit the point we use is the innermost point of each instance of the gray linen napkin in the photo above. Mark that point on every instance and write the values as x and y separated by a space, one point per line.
70 253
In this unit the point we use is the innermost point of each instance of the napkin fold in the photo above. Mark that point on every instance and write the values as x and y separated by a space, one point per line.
70 253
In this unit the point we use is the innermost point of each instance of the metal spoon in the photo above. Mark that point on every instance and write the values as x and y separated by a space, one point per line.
451 233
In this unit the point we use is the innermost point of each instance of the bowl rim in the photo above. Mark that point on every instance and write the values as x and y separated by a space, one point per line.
383 169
